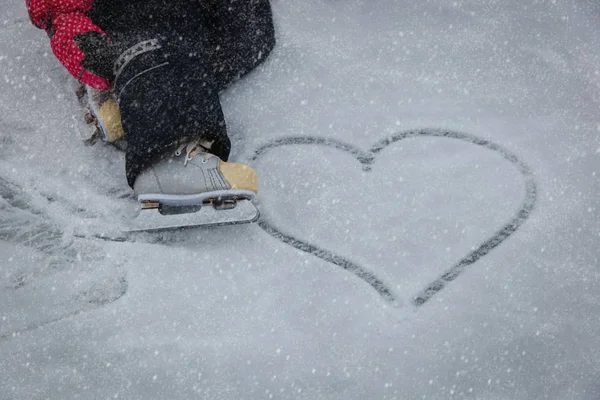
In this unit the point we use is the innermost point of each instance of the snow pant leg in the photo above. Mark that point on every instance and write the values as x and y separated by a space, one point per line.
165 95
240 36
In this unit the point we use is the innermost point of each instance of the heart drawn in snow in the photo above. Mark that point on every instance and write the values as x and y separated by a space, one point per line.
390 187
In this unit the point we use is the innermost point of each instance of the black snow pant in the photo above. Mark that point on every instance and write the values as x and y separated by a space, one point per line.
168 82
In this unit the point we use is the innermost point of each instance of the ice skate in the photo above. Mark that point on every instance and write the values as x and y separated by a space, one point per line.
192 187
101 113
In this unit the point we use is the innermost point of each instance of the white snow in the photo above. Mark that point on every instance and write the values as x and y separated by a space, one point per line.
235 313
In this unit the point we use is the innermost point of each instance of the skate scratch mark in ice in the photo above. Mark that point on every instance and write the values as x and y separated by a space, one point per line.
94 304
367 159
16 23
9 129
22 225
11 126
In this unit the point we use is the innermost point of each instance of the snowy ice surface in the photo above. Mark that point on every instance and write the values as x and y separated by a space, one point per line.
235 313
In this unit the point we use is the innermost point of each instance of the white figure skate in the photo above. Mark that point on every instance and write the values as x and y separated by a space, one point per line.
192 187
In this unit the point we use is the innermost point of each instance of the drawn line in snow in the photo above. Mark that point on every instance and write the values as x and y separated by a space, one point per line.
507 230
366 159
328 256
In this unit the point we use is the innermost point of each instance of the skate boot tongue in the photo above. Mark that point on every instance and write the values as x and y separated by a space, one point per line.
194 148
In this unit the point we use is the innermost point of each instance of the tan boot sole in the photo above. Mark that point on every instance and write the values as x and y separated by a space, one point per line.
110 116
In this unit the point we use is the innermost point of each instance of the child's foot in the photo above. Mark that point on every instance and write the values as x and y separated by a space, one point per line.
193 176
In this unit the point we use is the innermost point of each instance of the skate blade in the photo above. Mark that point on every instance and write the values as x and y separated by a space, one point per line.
198 198
89 133
168 217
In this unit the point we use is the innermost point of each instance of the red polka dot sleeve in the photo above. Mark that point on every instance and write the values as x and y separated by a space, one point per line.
63 20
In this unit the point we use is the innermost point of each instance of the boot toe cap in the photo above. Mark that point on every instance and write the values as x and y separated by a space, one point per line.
239 176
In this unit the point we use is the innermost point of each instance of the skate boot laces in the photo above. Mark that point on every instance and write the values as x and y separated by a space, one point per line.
192 149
